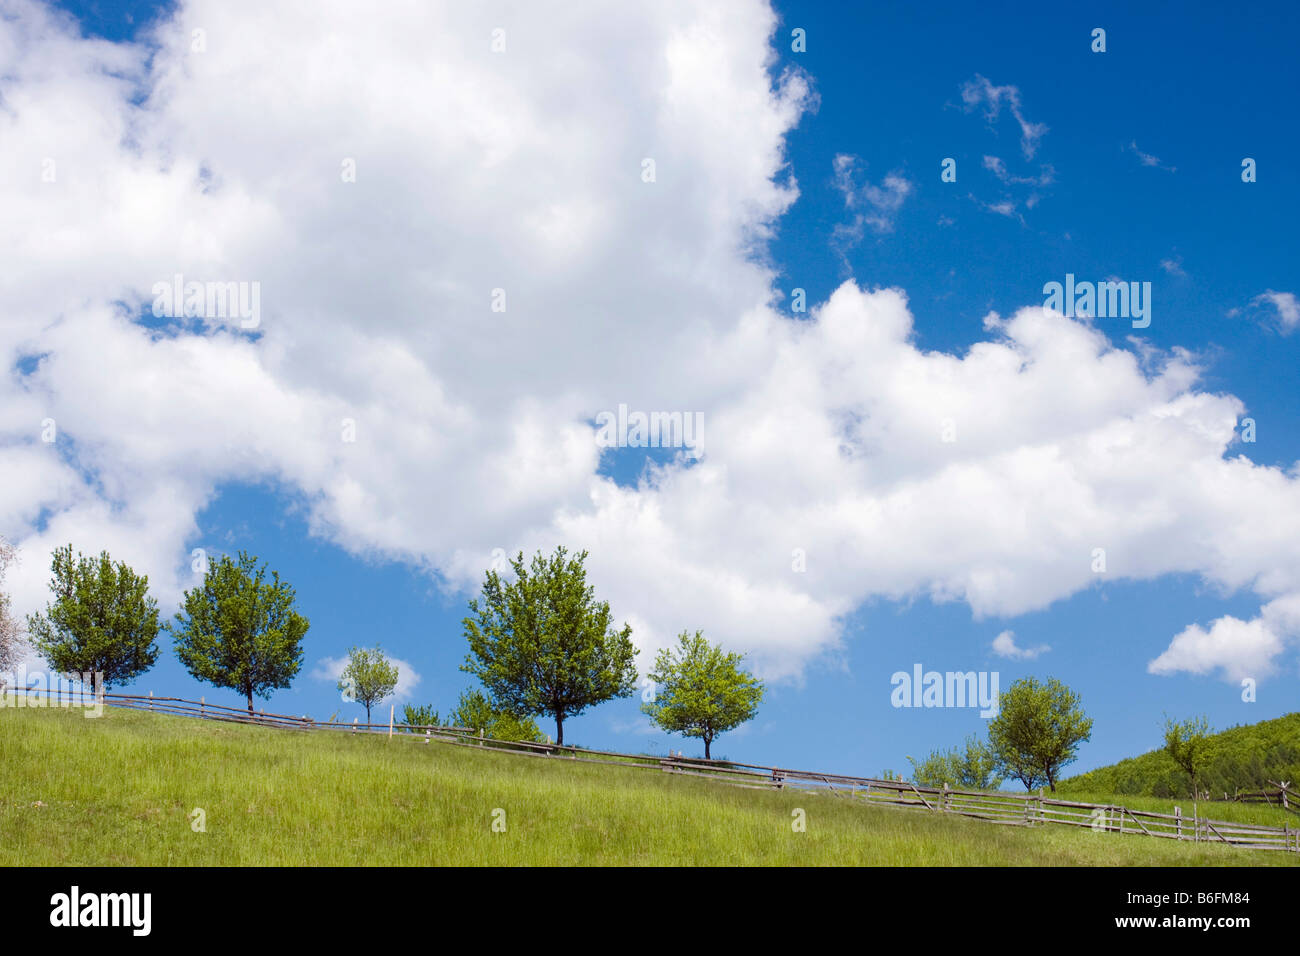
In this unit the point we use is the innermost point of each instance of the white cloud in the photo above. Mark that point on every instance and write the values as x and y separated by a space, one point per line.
522 171
1005 207
1233 648
1146 159
1287 307
980 92
1174 266
871 205
1004 645
995 165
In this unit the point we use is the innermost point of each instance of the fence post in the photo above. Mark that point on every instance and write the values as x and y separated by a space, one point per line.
1178 821
201 713
943 798
151 700
391 709
354 725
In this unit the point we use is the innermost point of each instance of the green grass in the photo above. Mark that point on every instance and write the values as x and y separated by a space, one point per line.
118 790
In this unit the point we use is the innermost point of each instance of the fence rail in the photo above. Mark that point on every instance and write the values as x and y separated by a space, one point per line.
1011 809
1279 795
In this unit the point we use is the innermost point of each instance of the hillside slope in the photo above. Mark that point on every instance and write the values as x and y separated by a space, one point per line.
123 789
1246 757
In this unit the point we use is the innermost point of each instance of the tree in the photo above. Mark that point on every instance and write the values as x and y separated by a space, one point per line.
543 645
101 621
700 690
1188 742
974 767
1037 731
368 677
239 630
423 716
476 711
11 631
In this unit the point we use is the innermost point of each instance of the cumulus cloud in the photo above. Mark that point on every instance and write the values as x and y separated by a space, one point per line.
1004 645
471 428
1233 648
980 91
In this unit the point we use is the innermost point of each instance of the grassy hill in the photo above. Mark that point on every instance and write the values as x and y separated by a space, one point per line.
119 790
1245 757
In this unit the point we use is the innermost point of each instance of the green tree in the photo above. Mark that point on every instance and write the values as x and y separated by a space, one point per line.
101 621
542 644
475 710
1189 743
239 630
701 691
423 716
973 767
1037 731
368 677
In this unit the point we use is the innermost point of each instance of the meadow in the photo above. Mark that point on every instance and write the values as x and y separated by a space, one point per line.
123 789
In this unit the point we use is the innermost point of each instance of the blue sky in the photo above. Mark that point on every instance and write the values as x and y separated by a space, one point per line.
1131 169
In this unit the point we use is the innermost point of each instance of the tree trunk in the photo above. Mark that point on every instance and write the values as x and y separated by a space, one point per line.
367 714
250 704
706 748
559 728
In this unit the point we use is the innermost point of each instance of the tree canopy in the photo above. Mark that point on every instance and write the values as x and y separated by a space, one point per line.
1037 731
102 619
972 767
475 710
543 644
1190 744
701 691
240 630
368 677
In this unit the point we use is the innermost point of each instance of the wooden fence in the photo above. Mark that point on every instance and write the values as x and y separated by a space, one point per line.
1010 809
1280 795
